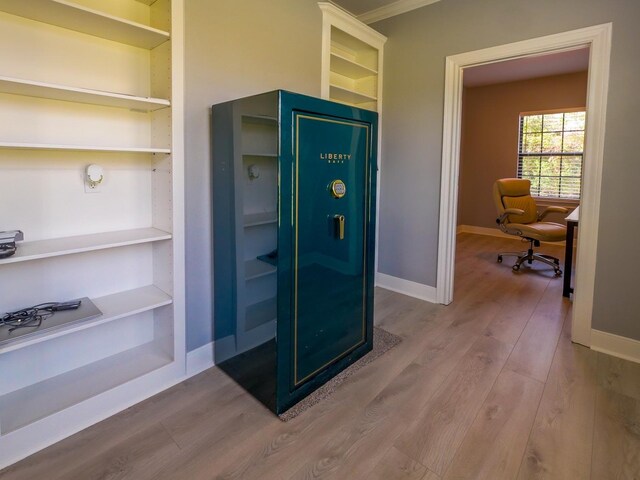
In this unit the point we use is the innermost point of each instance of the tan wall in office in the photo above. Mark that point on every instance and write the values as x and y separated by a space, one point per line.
490 123
234 49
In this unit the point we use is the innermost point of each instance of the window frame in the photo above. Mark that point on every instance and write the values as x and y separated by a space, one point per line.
551 200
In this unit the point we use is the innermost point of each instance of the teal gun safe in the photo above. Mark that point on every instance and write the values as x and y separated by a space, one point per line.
294 195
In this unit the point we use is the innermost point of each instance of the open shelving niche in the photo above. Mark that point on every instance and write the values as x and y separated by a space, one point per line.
352 56
352 68
257 288
129 261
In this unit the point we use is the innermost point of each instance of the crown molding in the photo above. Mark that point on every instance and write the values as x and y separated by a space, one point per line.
393 9
346 22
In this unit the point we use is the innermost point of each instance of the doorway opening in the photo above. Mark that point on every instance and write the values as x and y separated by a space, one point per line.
598 40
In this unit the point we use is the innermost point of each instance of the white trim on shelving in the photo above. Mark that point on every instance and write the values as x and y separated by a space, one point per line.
598 38
406 287
615 345
393 9
351 25
178 181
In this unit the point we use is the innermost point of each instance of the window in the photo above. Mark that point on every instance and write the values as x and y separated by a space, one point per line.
550 153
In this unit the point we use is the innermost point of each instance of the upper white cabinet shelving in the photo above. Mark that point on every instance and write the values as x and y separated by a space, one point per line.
79 18
351 60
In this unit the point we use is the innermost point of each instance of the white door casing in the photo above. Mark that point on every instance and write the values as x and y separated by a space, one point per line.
598 39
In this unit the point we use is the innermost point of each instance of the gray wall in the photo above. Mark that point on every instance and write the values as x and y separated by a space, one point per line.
234 49
489 143
415 54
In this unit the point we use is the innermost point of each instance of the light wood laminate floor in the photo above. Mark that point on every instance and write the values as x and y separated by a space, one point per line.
489 387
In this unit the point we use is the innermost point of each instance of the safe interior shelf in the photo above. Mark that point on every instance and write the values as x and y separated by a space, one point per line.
256 269
349 68
261 313
260 154
84 243
350 96
113 307
80 148
256 219
37 401
52 91
79 18
260 119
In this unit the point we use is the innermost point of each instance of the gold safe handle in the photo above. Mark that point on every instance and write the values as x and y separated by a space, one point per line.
339 222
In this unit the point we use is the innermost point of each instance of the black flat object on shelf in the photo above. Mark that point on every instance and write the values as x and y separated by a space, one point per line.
61 314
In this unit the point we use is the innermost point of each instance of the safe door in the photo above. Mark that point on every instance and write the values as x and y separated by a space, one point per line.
330 255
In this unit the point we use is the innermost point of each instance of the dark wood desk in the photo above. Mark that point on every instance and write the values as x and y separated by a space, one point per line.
572 223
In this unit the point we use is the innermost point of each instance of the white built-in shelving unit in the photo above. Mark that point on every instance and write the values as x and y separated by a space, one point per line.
352 67
91 82
352 56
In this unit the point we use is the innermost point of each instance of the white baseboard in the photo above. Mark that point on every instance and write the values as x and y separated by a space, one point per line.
406 287
200 359
615 345
494 232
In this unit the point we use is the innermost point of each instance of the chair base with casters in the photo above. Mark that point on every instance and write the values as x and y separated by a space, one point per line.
518 215
529 256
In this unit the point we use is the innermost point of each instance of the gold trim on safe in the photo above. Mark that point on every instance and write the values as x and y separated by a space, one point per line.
366 217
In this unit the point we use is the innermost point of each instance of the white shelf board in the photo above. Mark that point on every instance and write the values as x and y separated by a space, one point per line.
72 16
260 119
52 91
56 247
37 401
113 307
259 154
256 219
261 313
256 269
349 96
349 68
343 39
80 148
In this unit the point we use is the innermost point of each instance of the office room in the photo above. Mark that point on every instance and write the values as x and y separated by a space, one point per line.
118 212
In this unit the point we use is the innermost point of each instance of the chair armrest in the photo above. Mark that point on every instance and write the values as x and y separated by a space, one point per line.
509 211
552 209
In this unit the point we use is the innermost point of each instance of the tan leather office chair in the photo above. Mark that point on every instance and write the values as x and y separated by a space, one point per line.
518 215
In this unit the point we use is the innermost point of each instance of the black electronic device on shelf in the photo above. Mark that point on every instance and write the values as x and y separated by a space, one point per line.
8 241
44 318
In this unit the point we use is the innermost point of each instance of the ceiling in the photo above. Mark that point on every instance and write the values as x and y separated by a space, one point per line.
545 65
529 67
369 11
358 7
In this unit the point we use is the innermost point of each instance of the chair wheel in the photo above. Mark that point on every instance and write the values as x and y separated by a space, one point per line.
556 261
499 258
558 272
516 268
